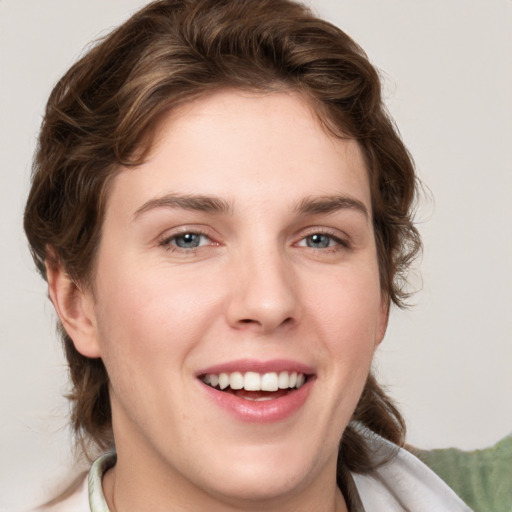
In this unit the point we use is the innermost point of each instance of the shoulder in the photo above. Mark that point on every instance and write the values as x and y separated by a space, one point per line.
403 483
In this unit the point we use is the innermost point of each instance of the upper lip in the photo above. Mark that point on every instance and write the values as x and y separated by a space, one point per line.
259 366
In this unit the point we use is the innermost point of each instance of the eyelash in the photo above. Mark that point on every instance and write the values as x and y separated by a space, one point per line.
169 242
339 243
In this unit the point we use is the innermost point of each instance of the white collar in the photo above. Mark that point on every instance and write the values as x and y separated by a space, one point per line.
402 484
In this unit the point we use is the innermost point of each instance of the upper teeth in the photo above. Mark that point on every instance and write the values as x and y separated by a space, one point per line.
253 381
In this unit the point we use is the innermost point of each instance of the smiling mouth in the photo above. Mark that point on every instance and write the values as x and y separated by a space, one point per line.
256 386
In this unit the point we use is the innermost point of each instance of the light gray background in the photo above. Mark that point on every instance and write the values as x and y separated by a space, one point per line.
448 83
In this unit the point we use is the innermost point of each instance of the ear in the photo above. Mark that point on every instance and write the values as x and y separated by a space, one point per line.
75 308
382 321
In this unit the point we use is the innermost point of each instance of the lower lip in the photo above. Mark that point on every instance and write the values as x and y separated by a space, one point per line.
266 411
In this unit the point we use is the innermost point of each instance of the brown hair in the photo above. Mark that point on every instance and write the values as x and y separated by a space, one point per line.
101 114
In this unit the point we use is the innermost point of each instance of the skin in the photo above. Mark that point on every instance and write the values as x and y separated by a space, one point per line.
259 285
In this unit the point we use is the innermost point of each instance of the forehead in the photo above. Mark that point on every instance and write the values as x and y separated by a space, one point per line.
246 147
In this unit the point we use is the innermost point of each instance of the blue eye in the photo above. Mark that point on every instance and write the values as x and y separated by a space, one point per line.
186 241
320 241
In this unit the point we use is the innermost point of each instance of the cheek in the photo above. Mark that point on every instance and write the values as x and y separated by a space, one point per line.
348 305
152 318
347 317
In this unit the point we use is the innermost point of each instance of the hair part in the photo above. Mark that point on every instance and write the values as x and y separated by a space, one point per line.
103 113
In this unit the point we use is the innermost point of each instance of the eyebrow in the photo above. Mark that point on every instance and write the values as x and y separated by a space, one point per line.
330 204
212 204
187 202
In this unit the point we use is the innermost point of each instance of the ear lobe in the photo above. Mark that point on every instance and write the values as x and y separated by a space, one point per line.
382 323
75 308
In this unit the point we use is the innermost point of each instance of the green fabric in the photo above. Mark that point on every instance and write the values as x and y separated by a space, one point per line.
482 478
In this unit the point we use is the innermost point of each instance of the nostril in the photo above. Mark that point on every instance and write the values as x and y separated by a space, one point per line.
251 321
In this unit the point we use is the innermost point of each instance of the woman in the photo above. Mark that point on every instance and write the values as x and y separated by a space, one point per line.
222 210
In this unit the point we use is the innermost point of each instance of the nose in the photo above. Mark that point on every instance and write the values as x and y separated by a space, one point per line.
263 293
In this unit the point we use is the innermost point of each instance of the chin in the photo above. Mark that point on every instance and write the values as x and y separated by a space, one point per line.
266 474
262 484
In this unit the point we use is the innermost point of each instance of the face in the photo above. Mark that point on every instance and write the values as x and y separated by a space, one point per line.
240 256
